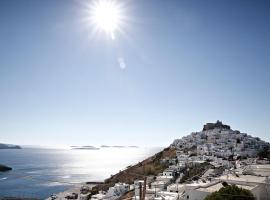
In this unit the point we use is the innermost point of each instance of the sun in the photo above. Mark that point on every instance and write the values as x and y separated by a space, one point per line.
106 15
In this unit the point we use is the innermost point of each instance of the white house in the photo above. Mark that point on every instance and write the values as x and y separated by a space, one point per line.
169 172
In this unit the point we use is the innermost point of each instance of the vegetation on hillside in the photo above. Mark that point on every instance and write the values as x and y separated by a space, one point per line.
195 171
231 192
149 166
264 153
127 195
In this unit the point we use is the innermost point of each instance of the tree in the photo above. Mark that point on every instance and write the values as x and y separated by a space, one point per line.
231 192
264 153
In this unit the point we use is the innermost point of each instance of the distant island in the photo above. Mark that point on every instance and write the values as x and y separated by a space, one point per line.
84 148
118 146
89 147
133 146
9 146
105 146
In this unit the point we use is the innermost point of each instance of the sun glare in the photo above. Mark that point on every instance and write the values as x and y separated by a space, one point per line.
106 16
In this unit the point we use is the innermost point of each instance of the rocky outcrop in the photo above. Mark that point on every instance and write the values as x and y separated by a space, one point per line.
4 168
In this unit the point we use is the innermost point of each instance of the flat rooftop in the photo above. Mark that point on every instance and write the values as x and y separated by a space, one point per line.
216 187
263 170
242 178
159 183
199 183
164 177
261 166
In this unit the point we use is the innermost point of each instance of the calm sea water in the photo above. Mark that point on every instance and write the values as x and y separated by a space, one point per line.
41 172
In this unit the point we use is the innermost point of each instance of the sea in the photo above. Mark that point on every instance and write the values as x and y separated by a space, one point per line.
38 173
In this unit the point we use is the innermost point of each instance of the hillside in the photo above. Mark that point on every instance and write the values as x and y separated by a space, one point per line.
149 166
220 140
215 139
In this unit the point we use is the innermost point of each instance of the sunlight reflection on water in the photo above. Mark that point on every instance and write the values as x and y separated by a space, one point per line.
41 172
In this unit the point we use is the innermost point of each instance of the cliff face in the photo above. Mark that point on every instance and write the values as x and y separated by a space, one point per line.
9 146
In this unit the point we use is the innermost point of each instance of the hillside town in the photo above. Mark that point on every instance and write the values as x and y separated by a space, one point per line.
203 163
220 140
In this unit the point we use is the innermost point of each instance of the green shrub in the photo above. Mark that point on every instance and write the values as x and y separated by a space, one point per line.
231 192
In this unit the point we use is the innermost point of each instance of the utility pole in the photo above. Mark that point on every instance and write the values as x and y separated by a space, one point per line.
177 192
144 188
140 188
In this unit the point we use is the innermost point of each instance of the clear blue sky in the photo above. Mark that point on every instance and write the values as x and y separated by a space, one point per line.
187 63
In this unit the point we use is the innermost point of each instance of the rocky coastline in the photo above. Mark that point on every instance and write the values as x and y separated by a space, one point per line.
4 168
